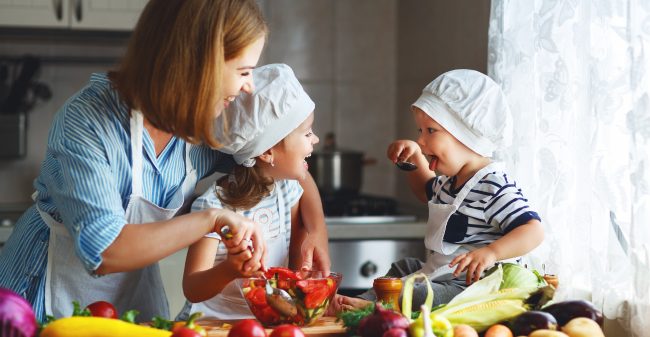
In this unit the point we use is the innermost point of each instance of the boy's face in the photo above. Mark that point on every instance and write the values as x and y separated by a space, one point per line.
289 155
446 154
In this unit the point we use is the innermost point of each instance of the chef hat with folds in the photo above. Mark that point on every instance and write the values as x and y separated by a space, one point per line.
470 106
254 123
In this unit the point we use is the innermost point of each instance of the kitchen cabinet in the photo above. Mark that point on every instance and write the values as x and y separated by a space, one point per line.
71 14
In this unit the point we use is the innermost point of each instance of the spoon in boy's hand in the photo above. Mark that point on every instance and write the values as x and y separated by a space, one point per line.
406 166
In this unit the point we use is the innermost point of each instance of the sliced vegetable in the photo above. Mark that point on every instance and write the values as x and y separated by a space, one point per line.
583 327
17 317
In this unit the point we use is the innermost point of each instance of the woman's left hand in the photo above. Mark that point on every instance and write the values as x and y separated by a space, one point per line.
315 253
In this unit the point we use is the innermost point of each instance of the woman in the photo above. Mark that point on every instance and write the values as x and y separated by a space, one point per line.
120 165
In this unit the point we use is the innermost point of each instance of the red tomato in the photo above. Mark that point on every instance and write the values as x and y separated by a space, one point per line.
282 273
287 330
315 298
185 332
102 309
311 285
247 328
257 296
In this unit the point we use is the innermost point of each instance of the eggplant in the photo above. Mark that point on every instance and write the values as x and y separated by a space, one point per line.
530 321
568 310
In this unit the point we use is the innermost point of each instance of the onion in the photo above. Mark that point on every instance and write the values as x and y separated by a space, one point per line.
16 315
381 321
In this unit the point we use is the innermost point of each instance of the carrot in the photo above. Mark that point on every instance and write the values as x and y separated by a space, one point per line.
498 330
463 330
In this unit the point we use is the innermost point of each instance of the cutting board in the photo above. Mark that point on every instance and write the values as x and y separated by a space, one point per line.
323 327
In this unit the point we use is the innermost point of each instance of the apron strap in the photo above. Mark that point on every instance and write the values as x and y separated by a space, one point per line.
136 152
473 180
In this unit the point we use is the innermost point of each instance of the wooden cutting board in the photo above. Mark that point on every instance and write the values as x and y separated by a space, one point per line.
323 327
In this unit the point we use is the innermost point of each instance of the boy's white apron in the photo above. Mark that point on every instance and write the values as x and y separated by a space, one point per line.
67 280
441 253
230 304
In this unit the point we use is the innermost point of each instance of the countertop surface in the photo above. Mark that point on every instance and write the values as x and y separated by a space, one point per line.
414 229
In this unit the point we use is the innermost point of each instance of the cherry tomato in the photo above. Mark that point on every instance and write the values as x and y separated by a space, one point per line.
185 332
247 328
102 309
287 330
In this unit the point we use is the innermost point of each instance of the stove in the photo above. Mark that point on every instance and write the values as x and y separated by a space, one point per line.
356 256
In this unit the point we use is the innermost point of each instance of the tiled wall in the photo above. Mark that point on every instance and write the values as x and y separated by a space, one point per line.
362 61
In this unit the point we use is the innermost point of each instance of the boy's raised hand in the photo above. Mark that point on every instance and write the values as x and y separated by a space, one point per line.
402 150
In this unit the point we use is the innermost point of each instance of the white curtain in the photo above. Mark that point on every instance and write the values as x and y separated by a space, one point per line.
576 74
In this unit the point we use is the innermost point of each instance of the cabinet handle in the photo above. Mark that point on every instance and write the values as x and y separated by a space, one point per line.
58 9
77 10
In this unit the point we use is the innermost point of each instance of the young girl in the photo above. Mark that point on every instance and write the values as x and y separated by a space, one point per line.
269 136
477 215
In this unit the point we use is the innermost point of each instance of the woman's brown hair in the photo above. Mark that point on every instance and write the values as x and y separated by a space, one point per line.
173 67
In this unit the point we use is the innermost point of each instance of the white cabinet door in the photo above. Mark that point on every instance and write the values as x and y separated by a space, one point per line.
74 14
105 14
34 13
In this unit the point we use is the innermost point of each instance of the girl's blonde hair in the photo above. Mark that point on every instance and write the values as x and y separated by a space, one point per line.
249 187
173 67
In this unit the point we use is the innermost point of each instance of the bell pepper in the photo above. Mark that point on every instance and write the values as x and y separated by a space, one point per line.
281 273
191 324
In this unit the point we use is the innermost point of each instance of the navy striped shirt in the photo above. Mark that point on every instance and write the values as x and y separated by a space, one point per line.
85 183
493 207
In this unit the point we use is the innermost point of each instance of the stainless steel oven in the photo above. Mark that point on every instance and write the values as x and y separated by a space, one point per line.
367 234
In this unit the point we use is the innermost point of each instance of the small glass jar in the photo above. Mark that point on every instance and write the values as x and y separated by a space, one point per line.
388 290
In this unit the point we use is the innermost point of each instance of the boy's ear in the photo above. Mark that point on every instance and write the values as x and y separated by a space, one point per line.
267 156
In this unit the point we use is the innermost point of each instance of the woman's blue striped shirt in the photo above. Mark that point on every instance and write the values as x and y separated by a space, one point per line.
85 183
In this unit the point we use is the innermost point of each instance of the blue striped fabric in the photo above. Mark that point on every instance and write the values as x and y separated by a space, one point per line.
85 182
492 208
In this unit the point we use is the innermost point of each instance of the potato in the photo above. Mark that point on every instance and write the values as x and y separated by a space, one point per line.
547 333
498 330
583 327
463 330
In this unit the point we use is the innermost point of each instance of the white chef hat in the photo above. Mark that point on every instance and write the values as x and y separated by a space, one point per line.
256 122
470 106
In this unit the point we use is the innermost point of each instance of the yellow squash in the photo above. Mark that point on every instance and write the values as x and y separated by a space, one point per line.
99 327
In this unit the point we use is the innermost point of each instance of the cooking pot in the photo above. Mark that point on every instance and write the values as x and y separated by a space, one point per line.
335 170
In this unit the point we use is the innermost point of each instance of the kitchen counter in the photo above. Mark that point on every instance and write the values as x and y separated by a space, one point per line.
376 231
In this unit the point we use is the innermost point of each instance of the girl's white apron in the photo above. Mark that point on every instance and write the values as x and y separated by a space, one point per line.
230 304
67 280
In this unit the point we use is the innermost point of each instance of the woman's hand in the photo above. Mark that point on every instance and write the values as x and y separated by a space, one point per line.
243 232
402 150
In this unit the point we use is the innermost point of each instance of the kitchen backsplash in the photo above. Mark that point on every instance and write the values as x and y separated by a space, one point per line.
355 58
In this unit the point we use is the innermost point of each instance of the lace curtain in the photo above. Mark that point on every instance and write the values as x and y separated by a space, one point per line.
576 76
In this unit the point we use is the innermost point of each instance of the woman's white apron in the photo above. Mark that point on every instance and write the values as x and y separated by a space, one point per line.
441 253
230 304
67 280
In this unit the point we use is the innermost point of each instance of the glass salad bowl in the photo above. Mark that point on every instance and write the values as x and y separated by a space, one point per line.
285 296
